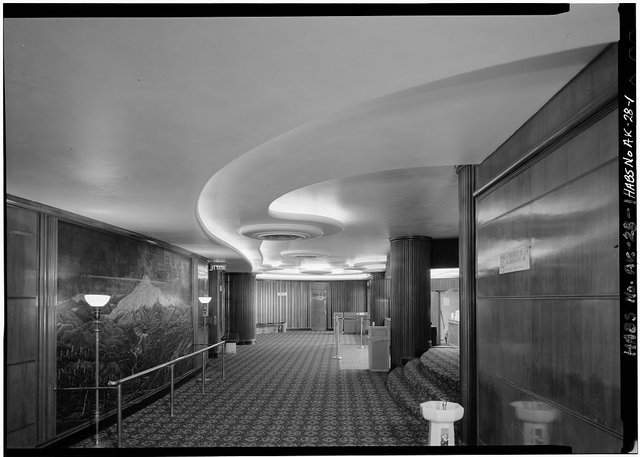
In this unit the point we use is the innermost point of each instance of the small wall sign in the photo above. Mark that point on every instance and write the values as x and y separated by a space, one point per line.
516 260
282 294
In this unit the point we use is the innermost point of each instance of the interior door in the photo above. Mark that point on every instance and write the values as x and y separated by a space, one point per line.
318 309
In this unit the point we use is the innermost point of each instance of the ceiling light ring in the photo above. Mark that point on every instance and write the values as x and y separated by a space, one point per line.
281 232
303 253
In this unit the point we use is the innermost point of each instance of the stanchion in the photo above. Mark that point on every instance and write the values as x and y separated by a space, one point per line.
361 346
119 390
337 331
204 368
171 401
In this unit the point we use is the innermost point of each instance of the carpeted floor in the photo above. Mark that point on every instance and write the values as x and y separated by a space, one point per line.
284 391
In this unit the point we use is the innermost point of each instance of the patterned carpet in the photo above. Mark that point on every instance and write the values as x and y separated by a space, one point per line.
284 391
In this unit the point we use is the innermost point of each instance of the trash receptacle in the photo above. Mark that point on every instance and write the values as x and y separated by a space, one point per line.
379 345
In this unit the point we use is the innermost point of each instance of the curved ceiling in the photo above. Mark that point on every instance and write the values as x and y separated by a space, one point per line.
189 129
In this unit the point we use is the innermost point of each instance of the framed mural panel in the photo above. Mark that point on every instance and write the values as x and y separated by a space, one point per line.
147 321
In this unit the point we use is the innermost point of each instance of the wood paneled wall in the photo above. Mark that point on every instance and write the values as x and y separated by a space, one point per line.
32 263
348 296
274 306
242 307
410 297
380 292
550 333
22 309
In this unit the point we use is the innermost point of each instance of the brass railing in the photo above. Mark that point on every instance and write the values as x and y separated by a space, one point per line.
118 383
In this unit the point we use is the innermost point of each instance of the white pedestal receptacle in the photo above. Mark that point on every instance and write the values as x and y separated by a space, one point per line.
441 415
536 417
230 348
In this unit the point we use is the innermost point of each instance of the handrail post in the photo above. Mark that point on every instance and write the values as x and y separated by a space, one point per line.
119 399
361 324
171 401
224 349
204 366
171 364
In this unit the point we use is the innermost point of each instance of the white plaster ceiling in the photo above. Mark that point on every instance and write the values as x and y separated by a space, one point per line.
188 129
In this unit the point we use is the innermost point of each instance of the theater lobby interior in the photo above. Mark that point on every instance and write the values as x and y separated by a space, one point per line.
318 229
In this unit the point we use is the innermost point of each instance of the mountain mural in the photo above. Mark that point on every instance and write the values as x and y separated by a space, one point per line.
148 320
145 295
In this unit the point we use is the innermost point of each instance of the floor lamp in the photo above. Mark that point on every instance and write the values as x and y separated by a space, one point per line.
97 302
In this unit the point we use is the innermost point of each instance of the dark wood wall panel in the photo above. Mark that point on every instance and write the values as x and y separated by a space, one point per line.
298 304
21 410
22 327
533 345
22 245
590 89
292 308
380 291
496 395
567 229
581 154
550 333
348 296
22 330
21 405
242 306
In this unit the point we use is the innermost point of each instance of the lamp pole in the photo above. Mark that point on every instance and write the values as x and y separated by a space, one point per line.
96 322
97 302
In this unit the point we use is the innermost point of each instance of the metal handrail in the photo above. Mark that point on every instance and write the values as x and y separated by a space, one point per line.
118 383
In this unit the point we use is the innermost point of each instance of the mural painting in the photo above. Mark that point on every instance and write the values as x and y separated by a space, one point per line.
146 322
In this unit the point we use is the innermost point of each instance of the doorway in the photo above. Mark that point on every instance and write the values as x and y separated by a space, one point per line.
318 309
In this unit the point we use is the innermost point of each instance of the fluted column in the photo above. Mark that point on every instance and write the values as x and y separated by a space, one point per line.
410 263
242 307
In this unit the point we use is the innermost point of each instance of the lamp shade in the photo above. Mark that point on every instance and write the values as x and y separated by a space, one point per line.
97 301
204 299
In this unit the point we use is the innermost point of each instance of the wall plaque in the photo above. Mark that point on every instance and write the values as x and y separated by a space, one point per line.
515 260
